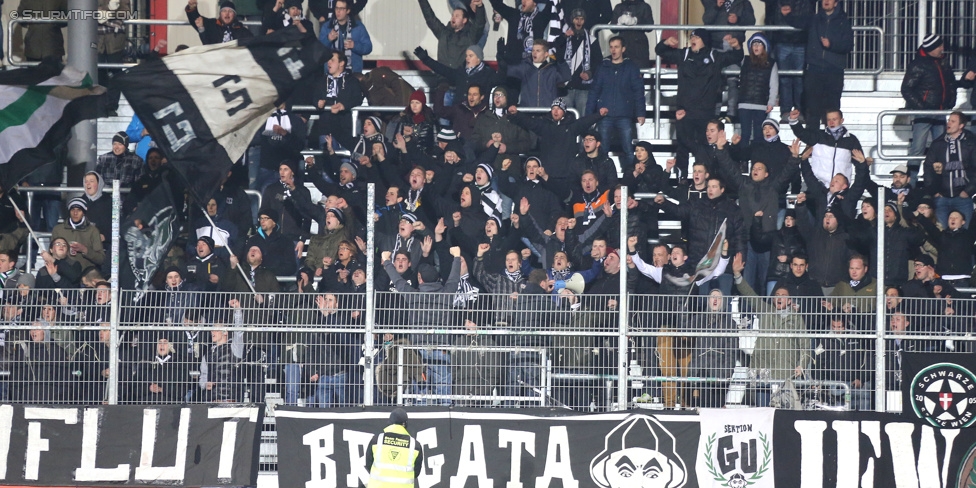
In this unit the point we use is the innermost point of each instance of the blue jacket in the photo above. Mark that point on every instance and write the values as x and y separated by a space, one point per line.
362 44
837 28
143 143
619 88
539 85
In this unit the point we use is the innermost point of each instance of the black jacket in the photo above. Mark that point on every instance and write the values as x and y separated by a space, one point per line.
929 84
828 251
700 79
837 28
801 12
955 248
715 15
786 241
706 216
557 140
901 244
756 195
214 30
951 182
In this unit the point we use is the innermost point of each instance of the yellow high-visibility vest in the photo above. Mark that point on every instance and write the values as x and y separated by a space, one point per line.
394 455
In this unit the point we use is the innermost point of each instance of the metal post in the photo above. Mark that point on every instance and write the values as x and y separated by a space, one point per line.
879 344
370 299
923 13
657 93
622 343
83 56
113 348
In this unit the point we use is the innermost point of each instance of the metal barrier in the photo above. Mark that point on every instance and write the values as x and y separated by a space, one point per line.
391 109
307 349
658 71
895 113
130 22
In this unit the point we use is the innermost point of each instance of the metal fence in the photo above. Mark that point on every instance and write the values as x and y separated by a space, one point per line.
553 350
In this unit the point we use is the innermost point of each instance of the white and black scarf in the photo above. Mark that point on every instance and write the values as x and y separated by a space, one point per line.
579 59
339 44
335 83
836 133
474 69
466 292
280 118
514 276
954 168
413 199
80 225
400 243
561 275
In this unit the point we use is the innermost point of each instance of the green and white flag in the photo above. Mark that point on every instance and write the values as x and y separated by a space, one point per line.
38 108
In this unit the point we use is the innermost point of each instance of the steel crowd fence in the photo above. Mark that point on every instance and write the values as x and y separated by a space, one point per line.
472 349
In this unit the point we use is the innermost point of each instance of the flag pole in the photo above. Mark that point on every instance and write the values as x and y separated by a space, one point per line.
24 220
231 251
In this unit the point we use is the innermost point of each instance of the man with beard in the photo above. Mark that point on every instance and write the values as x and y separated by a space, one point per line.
215 31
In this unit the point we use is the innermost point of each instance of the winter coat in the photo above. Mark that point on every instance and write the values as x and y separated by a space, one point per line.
713 357
572 50
830 156
776 358
828 251
801 13
557 141
633 12
293 209
786 241
539 85
842 359
837 28
170 372
719 15
955 248
706 216
451 44
112 37
463 117
277 148
929 84
950 183
517 140
88 235
845 201
362 44
758 86
901 244
756 195
214 30
44 40
458 76
774 154
277 251
619 88
198 271
518 45
501 287
536 311
429 304
325 244
700 79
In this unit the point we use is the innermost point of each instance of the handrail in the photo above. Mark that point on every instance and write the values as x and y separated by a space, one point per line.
394 109
12 22
888 113
658 71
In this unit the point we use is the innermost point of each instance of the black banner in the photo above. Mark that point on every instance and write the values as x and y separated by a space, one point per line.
489 448
939 389
831 449
129 445
144 250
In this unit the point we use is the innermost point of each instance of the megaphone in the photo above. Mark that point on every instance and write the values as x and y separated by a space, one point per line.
575 283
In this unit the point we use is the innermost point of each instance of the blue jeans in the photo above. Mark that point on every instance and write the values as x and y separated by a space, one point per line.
945 205
751 125
265 178
46 208
922 130
577 99
770 285
790 57
624 128
523 376
757 265
331 390
293 385
439 377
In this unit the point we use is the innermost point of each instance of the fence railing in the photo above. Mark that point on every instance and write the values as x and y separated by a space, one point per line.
658 71
551 350
880 129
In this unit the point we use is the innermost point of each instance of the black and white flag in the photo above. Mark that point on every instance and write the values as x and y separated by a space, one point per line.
203 105
146 244
38 107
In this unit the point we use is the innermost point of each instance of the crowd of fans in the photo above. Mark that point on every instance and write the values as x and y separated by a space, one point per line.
492 219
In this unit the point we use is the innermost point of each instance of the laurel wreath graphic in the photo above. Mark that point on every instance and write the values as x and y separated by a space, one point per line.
764 465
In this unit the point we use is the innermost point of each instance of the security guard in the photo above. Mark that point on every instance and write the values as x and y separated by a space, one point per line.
394 459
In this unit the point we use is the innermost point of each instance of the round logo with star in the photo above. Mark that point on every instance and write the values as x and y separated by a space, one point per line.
944 395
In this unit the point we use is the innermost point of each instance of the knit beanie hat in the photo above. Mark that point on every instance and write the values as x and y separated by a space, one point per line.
478 51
